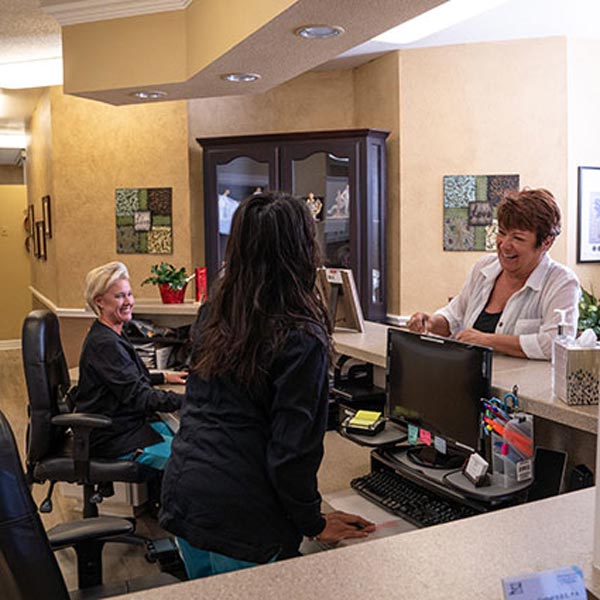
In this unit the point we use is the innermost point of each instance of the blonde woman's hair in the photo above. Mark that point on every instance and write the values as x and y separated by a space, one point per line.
99 280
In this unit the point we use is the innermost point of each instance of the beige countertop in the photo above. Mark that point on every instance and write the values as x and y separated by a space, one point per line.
532 376
464 560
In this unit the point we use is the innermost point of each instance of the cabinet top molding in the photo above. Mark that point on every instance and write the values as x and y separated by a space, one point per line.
292 136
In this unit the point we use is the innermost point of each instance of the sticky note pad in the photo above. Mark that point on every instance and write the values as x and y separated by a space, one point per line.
364 418
439 443
425 436
413 433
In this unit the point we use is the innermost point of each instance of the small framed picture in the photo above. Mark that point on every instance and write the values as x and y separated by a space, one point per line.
30 221
47 216
40 240
588 215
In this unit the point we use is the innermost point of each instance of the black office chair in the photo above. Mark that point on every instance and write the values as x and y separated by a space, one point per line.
57 438
28 568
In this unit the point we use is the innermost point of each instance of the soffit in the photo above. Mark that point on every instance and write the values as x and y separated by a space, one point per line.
272 50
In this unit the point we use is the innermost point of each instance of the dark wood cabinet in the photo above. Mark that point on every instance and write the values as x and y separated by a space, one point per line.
340 173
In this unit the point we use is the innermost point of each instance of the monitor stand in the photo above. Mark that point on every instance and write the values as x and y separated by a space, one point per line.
428 456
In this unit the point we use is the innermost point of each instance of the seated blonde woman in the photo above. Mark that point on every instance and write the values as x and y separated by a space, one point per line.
114 382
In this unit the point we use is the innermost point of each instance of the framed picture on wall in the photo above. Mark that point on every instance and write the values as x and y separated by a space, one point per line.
31 221
588 215
40 240
47 216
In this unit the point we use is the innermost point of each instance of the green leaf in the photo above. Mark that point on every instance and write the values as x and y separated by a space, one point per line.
166 273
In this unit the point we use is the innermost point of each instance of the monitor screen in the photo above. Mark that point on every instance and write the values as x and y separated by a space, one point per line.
436 383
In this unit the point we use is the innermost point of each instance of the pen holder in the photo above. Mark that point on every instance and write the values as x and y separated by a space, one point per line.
513 450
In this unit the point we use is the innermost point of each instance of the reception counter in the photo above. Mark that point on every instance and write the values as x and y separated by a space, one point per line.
532 376
464 560
456 561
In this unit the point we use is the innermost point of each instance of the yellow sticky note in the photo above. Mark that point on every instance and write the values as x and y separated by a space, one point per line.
365 418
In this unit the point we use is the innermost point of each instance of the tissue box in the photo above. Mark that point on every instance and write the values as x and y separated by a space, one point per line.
576 374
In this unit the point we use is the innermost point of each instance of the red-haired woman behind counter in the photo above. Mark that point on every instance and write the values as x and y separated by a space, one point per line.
509 299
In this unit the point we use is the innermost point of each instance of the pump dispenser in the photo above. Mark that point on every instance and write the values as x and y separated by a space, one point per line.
561 341
561 326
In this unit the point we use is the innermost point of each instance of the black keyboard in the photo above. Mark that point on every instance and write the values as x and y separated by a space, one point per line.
408 500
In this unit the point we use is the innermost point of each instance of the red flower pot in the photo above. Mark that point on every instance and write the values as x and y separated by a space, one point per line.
171 296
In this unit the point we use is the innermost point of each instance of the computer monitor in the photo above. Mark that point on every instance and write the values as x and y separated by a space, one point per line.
435 384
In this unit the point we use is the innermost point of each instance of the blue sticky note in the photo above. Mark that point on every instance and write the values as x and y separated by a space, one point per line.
413 434
439 443
565 582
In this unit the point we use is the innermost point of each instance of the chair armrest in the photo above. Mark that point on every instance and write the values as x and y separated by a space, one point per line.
81 420
82 424
97 528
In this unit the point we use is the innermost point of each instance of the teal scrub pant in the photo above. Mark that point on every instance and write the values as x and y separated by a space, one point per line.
202 563
157 455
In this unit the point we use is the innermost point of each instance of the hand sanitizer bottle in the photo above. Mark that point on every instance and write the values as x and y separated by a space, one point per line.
560 342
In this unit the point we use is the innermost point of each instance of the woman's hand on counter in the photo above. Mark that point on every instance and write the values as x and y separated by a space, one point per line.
175 377
341 526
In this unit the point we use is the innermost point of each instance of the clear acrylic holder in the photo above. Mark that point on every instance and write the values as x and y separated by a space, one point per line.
512 452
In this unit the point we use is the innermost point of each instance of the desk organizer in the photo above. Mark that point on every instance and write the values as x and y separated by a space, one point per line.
576 377
512 451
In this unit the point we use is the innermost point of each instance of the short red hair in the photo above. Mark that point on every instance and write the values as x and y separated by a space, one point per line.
530 210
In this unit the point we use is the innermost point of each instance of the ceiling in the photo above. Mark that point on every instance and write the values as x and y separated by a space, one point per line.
29 33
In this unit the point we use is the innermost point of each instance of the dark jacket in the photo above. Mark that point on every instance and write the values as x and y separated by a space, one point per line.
114 382
242 478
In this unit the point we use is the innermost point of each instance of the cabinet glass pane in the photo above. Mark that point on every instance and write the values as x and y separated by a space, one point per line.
323 180
376 246
236 180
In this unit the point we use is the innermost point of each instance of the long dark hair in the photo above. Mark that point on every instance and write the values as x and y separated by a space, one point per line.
267 288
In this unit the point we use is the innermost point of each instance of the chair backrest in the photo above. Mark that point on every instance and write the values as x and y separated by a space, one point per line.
28 568
47 378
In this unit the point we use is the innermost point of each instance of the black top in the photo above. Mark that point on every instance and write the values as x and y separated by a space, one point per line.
113 381
487 322
242 478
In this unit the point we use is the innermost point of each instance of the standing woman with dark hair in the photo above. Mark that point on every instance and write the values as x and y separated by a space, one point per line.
241 486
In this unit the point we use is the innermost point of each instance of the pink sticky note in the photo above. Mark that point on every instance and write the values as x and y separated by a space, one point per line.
425 436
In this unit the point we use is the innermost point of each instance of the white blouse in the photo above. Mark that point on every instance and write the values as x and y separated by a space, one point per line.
529 313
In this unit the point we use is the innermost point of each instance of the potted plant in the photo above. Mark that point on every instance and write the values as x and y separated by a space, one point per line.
589 312
171 282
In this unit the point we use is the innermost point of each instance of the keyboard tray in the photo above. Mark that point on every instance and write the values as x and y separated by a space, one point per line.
408 500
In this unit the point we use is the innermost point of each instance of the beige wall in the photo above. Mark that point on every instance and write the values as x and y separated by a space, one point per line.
11 175
474 109
471 109
377 105
39 168
584 133
96 149
15 301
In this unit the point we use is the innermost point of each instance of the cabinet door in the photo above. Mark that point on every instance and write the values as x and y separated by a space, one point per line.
231 176
373 230
323 174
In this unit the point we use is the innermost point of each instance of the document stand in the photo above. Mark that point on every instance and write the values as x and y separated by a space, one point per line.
450 483
338 289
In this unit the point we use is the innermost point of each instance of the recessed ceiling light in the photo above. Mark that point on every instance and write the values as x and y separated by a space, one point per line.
319 32
149 94
241 77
